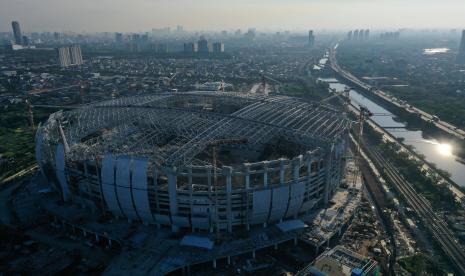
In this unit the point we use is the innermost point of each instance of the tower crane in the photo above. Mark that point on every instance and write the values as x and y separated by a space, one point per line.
214 146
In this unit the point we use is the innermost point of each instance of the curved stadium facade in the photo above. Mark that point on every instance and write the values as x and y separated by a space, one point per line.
150 158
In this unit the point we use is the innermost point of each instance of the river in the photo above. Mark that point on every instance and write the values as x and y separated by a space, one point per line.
437 152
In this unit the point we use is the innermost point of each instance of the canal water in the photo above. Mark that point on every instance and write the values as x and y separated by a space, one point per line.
437 152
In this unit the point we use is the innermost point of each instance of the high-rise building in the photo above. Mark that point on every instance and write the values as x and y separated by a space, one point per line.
203 45
76 55
25 40
17 32
144 38
349 35
56 36
135 38
462 44
133 47
118 38
70 55
356 34
367 34
250 34
190 47
461 54
218 47
161 48
64 56
311 39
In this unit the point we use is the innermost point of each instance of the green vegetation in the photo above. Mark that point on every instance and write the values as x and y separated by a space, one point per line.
17 139
306 89
433 83
421 264
424 181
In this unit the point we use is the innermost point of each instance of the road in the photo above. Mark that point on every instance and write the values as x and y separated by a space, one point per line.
445 126
21 173
49 90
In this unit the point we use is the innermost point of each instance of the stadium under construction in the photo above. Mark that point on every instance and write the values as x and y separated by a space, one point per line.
200 161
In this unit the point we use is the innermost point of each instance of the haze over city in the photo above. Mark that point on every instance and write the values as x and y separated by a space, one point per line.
141 15
202 137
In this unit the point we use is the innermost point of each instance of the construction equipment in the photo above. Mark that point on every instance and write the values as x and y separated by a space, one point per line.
222 86
364 114
31 115
214 145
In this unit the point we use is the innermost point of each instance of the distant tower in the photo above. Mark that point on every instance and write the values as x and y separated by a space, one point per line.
311 39
218 47
356 35
17 32
190 47
64 56
119 38
367 34
76 55
203 45
461 54
25 40
70 56
349 35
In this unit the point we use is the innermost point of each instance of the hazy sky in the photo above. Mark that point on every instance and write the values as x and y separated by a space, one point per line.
143 15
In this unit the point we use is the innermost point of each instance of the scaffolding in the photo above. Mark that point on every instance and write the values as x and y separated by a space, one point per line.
175 129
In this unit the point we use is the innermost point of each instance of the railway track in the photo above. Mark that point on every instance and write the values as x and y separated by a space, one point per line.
439 229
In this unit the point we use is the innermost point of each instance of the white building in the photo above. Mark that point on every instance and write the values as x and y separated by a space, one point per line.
69 56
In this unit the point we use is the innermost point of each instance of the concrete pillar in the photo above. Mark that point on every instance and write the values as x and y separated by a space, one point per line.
247 176
295 168
265 180
227 171
97 238
296 171
86 173
295 241
189 186
317 249
265 174
109 242
247 188
172 193
253 254
84 232
309 168
214 263
210 195
229 260
329 151
282 171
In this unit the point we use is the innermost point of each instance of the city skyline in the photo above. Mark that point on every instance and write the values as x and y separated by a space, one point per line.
142 15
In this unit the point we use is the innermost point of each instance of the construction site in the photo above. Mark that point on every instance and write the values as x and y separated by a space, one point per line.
205 161
168 182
